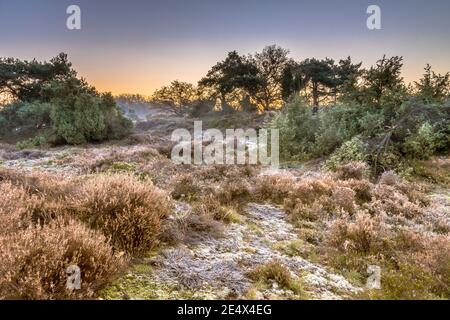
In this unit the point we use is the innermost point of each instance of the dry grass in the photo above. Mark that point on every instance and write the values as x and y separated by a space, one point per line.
193 227
209 205
34 261
126 209
363 234
274 187
352 170
50 221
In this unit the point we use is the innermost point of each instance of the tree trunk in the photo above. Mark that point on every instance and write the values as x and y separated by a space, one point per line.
315 94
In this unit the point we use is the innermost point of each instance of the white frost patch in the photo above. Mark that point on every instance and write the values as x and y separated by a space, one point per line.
221 264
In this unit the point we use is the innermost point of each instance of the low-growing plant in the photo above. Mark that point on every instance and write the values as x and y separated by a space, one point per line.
211 206
422 144
186 188
276 272
274 188
352 170
34 261
353 150
31 143
125 208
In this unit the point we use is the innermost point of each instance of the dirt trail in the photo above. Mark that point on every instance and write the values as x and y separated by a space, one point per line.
217 268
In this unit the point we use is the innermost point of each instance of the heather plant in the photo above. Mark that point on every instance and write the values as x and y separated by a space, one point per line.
209 205
124 208
233 192
352 170
312 198
364 234
273 187
193 226
34 261
186 188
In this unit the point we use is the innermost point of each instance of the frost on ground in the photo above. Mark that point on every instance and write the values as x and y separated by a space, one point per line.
217 268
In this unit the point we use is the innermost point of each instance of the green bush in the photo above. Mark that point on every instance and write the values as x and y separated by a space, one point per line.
25 115
117 126
67 108
305 135
34 113
353 150
86 117
422 144
31 143
336 125
80 120
298 127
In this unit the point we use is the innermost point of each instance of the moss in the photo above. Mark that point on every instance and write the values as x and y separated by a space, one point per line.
275 272
142 268
290 247
121 166
131 287
255 228
409 282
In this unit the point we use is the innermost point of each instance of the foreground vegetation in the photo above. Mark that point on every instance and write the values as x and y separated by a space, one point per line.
115 214
365 181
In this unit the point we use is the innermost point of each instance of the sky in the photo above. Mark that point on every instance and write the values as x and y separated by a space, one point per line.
137 46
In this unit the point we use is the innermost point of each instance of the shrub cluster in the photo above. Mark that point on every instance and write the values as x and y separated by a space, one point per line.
384 138
53 106
50 223
358 223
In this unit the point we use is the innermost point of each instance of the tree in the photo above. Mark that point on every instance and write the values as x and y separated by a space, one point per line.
23 80
271 64
383 80
179 94
321 80
235 72
346 77
433 87
291 81
317 77
49 96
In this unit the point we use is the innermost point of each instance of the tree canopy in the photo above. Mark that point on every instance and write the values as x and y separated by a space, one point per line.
48 96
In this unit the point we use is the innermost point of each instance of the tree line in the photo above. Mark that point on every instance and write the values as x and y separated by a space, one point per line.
269 79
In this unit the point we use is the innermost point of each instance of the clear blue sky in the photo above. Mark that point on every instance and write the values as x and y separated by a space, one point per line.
137 45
